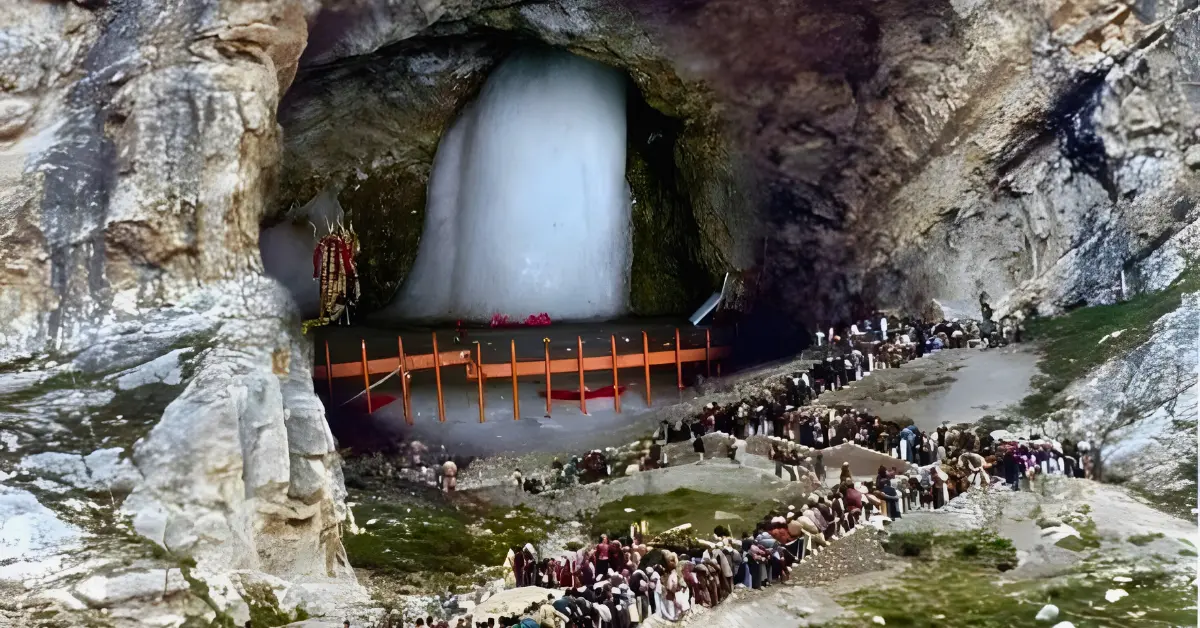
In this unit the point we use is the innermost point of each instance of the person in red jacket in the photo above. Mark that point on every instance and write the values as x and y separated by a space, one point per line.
853 500
602 552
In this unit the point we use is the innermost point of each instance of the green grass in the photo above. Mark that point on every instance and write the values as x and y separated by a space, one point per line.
1187 552
678 507
1088 538
976 548
1144 539
909 544
960 591
416 540
1071 343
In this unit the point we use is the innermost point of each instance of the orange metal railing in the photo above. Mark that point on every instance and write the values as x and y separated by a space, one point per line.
514 369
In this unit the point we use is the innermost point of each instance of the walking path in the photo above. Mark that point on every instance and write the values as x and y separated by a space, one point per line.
956 385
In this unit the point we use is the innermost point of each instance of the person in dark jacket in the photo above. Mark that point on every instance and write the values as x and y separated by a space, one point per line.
892 498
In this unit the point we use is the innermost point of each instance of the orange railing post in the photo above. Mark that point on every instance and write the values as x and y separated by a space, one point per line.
678 364
479 377
516 399
616 379
546 342
582 391
329 372
646 366
366 376
403 372
437 375
707 353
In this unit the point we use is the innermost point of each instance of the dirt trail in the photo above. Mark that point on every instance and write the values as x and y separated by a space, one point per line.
959 386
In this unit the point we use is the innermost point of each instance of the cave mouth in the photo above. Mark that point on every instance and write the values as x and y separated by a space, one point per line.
528 211
362 140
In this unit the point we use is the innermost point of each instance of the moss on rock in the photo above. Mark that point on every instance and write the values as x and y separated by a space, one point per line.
961 586
1071 344
387 210
431 544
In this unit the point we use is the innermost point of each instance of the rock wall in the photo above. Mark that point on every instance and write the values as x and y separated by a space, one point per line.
1139 409
1067 206
912 151
404 74
154 381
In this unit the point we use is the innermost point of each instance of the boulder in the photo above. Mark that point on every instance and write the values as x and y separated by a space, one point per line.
1048 612
113 590
33 539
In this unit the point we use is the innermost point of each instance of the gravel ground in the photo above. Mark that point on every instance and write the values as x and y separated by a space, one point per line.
857 553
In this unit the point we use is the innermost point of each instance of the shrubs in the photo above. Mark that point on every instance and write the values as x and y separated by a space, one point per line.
909 544
978 548
1144 539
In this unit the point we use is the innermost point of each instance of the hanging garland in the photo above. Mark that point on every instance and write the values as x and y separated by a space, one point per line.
333 267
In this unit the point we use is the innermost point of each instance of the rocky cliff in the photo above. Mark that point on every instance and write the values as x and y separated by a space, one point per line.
156 406
158 417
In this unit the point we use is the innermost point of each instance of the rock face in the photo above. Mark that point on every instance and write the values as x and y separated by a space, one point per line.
1032 150
140 146
403 74
1139 409
154 389
1074 212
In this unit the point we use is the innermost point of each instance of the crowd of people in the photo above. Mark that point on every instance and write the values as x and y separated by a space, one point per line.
619 583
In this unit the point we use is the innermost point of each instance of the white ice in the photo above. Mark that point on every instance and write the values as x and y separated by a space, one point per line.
528 208
287 248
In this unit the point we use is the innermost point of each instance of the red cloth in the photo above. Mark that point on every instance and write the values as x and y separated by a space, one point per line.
377 402
853 499
573 395
533 320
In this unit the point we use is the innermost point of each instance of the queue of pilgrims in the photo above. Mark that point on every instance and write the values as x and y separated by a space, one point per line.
620 582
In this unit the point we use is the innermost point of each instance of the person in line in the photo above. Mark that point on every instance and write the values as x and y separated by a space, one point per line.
602 550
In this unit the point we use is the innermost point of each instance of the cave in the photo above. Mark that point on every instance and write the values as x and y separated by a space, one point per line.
365 135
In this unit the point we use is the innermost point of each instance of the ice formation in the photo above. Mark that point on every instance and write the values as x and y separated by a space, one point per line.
528 208
287 248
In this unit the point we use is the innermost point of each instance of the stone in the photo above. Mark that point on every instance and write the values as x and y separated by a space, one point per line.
1112 596
1192 157
307 431
67 468
110 471
61 598
190 463
14 115
1049 612
33 540
308 479
112 590
101 470
164 369
1063 624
